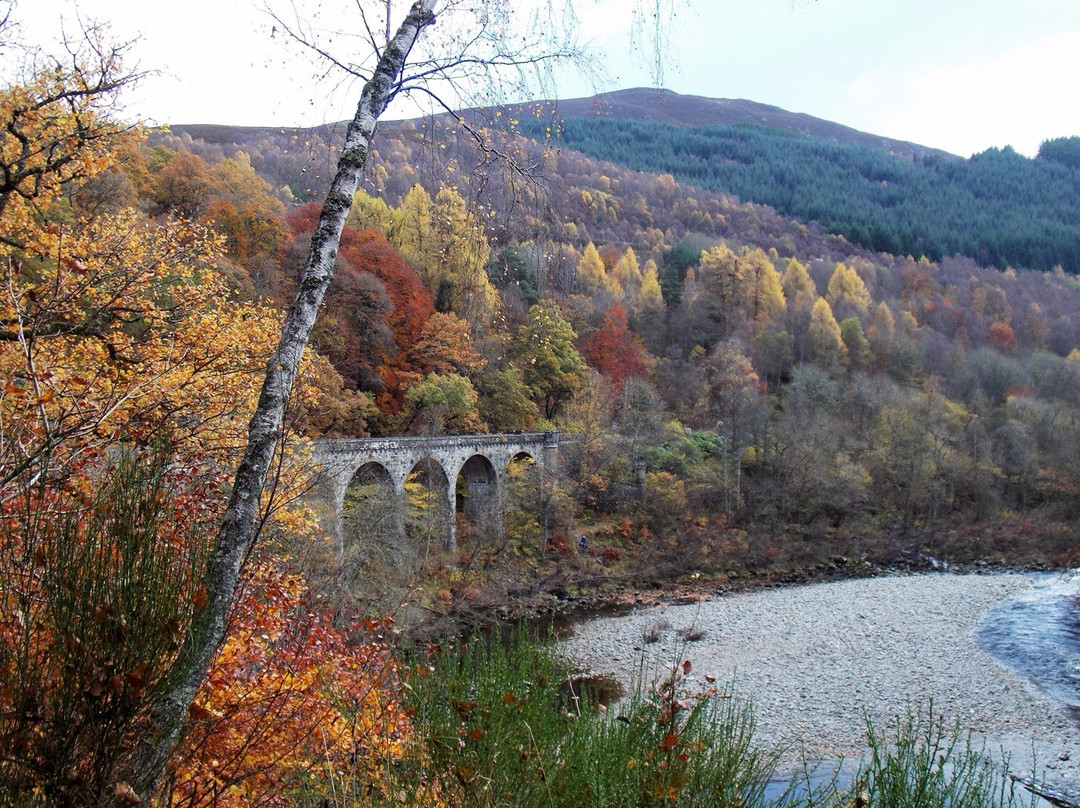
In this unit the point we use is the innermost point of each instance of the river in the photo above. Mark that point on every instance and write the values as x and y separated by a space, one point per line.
1036 632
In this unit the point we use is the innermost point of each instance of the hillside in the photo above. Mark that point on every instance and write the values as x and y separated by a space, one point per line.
997 207
767 338
559 195
667 107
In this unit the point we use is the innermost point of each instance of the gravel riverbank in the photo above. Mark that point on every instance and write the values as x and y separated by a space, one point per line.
814 659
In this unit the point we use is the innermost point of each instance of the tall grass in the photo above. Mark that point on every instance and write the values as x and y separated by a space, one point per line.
929 763
504 725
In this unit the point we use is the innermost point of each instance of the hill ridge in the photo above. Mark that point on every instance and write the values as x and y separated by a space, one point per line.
667 106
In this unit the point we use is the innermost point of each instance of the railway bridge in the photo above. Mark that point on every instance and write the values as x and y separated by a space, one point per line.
469 468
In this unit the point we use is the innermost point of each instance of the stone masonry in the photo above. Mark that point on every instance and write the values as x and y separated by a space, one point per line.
482 459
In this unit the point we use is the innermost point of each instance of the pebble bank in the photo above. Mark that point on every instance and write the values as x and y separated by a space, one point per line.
814 660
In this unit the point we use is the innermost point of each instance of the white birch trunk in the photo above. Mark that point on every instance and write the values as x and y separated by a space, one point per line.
236 535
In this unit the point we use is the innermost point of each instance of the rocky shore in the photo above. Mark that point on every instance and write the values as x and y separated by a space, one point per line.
815 660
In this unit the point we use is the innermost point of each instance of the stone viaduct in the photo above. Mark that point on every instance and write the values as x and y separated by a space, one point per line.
482 461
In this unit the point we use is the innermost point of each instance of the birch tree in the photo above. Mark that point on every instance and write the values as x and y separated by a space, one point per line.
483 51
264 431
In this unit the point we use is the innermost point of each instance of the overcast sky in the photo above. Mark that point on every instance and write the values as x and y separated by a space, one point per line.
960 75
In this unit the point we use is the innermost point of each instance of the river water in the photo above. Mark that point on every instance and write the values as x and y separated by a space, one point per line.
1036 632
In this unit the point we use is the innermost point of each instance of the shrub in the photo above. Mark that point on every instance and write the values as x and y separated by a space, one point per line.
498 725
611 555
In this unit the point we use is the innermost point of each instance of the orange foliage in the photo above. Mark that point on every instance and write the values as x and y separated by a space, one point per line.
615 350
289 705
1001 336
370 334
445 346
369 252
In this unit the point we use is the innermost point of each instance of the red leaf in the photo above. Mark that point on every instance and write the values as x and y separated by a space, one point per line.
199 713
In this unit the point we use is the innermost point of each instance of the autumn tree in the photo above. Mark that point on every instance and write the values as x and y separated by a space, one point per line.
1002 337
411 304
182 186
440 404
505 400
114 325
615 350
544 349
713 299
881 333
591 274
374 312
412 231
289 695
800 294
826 339
443 241
847 295
444 345
649 312
459 278
245 209
731 400
371 213
627 277
799 290
764 295
855 343
235 538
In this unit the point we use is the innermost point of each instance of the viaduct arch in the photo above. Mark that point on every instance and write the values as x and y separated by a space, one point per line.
481 459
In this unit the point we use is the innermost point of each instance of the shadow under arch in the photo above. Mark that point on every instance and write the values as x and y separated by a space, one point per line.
429 508
477 500
369 539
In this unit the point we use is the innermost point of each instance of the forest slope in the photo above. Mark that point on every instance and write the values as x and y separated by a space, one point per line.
998 207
